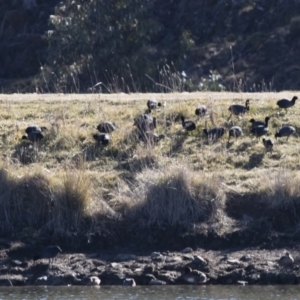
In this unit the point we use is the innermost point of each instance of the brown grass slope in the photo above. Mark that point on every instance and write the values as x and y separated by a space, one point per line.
68 188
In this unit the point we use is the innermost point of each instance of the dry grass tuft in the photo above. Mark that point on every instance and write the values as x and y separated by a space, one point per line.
172 197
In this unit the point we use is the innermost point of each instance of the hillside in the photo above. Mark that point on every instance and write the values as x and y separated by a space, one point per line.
232 45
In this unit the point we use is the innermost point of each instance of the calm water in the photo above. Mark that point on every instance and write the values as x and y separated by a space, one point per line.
149 293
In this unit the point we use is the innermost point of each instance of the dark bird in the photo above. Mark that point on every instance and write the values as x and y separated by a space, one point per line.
286 261
34 136
193 276
215 133
285 131
260 130
255 123
201 111
102 138
153 104
150 138
145 122
235 131
49 252
237 109
106 127
188 125
35 128
286 103
268 144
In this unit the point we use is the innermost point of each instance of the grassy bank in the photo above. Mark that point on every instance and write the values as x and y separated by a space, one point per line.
73 190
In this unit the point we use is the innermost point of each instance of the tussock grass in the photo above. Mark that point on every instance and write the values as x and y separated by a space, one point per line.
67 186
176 196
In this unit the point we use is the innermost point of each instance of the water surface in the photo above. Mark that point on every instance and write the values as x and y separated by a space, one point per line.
152 293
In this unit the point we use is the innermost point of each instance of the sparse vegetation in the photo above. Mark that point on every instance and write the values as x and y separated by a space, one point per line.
68 187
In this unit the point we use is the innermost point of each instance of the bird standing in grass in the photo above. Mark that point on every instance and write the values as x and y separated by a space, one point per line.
35 128
260 130
268 144
34 133
237 109
286 103
285 131
102 138
255 123
153 104
201 111
235 131
188 125
34 136
215 133
106 127
145 122
49 252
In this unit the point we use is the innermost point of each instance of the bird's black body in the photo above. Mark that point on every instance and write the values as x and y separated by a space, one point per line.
237 109
235 131
102 138
35 128
268 144
215 133
260 130
201 111
106 127
255 123
286 103
285 131
188 125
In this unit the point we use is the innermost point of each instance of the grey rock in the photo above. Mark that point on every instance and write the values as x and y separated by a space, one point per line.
199 260
187 250
156 282
129 282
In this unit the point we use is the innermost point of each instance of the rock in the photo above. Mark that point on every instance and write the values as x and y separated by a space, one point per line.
199 260
17 270
233 261
18 263
156 282
187 250
245 258
156 256
268 278
174 259
42 280
149 269
64 279
125 257
168 276
12 280
286 261
115 265
287 278
193 276
129 282
93 281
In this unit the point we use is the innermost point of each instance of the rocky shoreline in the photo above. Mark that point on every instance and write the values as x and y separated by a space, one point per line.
232 266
